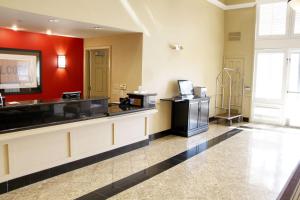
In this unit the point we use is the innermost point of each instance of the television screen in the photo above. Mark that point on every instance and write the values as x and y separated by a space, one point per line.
185 87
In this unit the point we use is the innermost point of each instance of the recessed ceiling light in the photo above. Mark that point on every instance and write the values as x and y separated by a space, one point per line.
97 28
14 27
53 20
49 32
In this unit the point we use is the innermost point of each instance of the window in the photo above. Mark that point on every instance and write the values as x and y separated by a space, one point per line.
272 19
294 74
269 73
293 94
269 86
276 83
297 22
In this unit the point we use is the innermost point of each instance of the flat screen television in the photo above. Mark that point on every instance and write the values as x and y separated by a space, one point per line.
185 87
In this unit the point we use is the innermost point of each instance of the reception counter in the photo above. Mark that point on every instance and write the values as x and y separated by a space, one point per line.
84 128
26 115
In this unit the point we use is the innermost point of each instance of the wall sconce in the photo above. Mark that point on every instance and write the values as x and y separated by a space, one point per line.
176 47
61 61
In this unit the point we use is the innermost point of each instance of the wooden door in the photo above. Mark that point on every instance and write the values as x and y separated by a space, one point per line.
99 73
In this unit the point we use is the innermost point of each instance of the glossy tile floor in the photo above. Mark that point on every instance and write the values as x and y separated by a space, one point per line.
253 164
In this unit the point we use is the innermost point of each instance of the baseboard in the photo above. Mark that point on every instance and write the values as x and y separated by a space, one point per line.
55 171
212 119
291 186
246 119
200 130
161 134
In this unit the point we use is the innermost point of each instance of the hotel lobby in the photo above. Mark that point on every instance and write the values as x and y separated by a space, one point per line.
143 99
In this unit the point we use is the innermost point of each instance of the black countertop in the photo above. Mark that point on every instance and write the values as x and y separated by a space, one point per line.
181 98
36 114
14 104
116 109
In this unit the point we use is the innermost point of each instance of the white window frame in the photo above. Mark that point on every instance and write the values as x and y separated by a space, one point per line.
288 22
287 44
293 21
276 104
285 68
289 53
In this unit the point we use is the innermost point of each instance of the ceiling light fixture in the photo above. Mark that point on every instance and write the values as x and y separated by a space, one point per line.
49 32
295 4
97 28
14 27
53 20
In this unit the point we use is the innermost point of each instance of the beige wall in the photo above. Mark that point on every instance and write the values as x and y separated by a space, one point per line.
199 27
126 62
196 24
242 20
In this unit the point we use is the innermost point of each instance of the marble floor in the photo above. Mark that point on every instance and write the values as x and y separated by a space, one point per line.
253 164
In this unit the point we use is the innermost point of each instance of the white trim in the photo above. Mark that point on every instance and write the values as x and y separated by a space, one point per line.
231 7
218 4
240 6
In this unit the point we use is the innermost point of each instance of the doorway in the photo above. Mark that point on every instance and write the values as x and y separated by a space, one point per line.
98 72
293 90
277 87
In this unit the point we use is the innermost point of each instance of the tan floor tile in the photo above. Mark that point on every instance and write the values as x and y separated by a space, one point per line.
251 165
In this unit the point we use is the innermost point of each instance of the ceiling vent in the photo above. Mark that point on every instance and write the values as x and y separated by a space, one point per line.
234 36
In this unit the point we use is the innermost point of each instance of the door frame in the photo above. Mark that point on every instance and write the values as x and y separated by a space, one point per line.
87 70
289 54
276 104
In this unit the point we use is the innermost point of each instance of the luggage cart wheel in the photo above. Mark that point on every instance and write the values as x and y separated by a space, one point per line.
240 119
230 122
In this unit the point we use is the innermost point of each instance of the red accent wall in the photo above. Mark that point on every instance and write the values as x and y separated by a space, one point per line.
54 80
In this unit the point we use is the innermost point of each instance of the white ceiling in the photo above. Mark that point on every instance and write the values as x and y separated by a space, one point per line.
40 23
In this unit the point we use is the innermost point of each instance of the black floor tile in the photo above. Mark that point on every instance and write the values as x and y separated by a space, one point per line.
134 179
247 127
173 161
109 190
92 196
202 147
158 168
186 154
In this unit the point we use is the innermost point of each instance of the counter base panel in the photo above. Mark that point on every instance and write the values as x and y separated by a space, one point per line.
37 154
55 171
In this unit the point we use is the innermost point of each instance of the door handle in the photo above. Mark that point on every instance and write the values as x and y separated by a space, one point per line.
293 92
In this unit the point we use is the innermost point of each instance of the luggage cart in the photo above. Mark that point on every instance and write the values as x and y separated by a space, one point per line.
229 95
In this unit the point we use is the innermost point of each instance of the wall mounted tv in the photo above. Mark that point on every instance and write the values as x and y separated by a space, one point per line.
20 71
